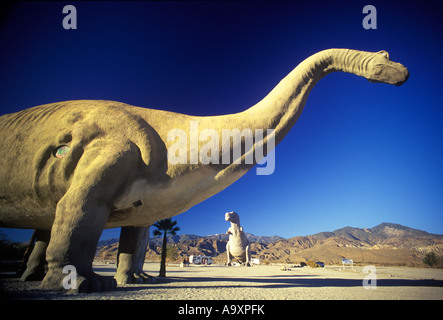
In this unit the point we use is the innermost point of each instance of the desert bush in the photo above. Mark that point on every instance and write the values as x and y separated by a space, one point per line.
172 254
431 259
312 264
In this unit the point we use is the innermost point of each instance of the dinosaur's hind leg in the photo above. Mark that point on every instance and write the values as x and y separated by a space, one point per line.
35 267
82 213
229 255
248 255
131 255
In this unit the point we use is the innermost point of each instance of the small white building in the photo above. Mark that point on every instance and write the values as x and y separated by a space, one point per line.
347 262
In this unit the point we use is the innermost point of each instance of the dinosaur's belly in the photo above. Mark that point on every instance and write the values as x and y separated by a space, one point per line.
29 215
237 251
237 246
145 202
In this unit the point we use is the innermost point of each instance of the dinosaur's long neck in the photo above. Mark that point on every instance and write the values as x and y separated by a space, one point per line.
278 111
235 225
235 228
281 108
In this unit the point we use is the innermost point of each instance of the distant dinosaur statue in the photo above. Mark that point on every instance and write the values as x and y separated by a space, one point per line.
77 167
238 244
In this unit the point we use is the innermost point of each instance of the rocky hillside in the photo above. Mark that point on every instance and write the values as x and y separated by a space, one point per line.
387 244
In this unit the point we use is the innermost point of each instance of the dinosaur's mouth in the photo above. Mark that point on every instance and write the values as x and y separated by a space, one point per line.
374 81
403 81
397 83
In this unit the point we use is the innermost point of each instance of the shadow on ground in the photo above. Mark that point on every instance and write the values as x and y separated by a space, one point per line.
295 281
21 290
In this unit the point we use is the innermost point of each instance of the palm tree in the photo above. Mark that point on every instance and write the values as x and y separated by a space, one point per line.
165 227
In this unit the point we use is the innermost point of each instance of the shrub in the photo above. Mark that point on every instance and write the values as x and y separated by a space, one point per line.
312 264
430 259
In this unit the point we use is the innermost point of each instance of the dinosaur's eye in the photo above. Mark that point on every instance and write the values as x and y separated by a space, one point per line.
384 53
61 152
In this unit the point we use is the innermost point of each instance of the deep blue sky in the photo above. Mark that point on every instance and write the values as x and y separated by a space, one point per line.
360 154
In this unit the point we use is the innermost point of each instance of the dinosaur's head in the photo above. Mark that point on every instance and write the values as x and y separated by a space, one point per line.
232 217
381 69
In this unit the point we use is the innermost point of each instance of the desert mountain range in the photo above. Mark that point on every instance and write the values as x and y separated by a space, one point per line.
384 244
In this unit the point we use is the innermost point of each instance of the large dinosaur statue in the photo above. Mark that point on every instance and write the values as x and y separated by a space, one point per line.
238 244
77 167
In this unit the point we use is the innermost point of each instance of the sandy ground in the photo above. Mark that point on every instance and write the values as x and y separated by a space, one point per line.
254 283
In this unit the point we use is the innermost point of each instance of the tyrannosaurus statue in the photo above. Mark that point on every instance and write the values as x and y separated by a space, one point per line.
77 167
238 244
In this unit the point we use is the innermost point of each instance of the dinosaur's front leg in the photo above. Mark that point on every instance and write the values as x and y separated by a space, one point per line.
77 227
83 212
131 255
